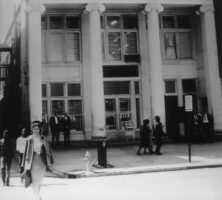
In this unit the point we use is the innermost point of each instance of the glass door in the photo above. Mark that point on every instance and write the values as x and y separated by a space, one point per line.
110 109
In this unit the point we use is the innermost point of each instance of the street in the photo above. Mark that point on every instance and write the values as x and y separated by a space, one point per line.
197 184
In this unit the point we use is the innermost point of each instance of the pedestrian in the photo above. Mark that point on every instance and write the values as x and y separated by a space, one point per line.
208 126
37 159
6 155
198 127
66 127
158 133
20 148
54 127
145 138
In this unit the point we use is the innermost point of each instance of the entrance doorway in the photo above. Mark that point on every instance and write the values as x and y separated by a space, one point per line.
172 123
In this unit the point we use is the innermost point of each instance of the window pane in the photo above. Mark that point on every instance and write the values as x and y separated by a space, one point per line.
120 71
110 106
184 21
44 108
189 85
137 87
185 45
43 22
74 89
75 113
113 22
170 45
56 22
44 94
114 46
124 104
55 47
130 42
120 87
57 89
72 22
170 86
130 22
73 50
102 21
43 46
168 22
57 107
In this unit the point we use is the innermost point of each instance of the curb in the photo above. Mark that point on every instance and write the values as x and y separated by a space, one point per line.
140 170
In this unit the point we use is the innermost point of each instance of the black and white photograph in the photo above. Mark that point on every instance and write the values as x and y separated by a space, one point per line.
111 99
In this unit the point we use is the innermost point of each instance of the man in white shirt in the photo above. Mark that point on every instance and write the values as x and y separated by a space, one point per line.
20 147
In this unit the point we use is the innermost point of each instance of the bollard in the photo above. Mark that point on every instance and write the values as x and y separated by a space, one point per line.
87 158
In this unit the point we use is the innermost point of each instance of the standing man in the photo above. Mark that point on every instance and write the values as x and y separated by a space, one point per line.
6 155
54 126
66 127
145 135
158 133
20 148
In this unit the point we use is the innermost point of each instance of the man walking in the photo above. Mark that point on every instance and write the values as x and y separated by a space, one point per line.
6 155
66 126
54 126
158 133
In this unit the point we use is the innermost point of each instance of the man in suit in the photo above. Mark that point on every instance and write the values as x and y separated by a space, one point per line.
66 127
54 127
158 133
208 126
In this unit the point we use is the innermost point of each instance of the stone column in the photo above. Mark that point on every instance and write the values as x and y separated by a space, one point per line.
155 60
211 61
95 58
34 10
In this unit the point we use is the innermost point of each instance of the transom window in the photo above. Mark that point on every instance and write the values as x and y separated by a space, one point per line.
177 36
170 87
60 38
119 36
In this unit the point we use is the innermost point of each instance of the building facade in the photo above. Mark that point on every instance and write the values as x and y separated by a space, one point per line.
108 62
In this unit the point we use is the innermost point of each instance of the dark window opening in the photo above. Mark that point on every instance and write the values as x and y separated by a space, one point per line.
189 85
74 89
116 87
130 22
72 22
183 22
120 71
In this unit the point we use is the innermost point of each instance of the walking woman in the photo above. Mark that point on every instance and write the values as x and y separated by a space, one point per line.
37 159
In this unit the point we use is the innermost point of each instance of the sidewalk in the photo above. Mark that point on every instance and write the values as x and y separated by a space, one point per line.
125 160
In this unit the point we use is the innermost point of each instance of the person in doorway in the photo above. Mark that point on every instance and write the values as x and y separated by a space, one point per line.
37 158
158 133
66 127
145 137
54 127
20 148
6 155
198 129
208 126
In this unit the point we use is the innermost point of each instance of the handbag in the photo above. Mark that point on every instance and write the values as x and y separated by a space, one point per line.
27 178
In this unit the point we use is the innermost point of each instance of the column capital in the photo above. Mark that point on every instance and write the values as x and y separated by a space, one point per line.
153 7
33 6
206 8
95 6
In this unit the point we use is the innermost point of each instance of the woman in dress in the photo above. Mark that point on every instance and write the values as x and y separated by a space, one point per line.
37 158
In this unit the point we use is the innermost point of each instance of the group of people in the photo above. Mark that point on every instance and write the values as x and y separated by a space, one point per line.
146 136
63 124
203 127
35 157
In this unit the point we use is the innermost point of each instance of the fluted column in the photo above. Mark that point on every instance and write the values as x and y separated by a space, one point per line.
211 59
34 10
97 92
156 74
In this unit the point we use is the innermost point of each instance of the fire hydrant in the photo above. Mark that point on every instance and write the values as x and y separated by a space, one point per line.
87 158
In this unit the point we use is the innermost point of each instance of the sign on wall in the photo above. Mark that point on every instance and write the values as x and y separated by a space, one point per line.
188 103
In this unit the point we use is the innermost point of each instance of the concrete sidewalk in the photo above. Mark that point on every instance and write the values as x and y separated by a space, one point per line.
125 160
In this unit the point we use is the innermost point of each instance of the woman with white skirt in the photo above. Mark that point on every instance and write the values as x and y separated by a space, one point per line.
37 158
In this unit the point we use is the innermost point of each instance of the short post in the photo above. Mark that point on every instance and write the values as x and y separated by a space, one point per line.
87 158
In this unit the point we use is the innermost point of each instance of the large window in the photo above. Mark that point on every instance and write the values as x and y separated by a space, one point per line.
177 36
59 98
60 38
119 36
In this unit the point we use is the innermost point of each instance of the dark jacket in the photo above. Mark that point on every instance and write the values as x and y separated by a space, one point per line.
158 130
144 135
6 148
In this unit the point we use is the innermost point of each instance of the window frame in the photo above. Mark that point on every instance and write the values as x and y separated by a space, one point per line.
64 31
122 31
177 31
